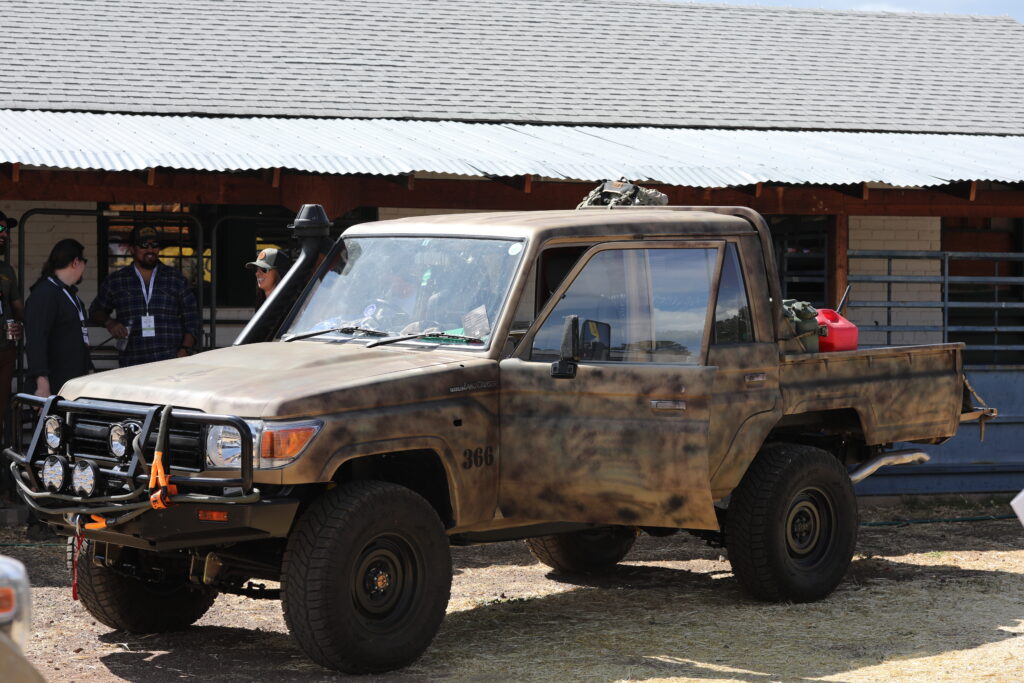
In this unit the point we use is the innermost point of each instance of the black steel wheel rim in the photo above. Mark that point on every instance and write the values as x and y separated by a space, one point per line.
810 526
387 575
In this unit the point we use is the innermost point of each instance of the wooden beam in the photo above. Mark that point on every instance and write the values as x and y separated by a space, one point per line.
276 180
151 177
347 192
839 268
15 172
522 183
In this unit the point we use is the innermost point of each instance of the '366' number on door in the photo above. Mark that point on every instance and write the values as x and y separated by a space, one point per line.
477 457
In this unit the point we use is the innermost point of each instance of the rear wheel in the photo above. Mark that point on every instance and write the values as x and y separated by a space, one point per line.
366 577
131 604
791 527
580 552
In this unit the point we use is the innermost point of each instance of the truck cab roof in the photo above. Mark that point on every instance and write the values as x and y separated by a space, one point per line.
620 223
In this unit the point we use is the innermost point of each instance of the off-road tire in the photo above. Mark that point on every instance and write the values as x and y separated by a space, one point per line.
791 526
366 577
129 604
583 552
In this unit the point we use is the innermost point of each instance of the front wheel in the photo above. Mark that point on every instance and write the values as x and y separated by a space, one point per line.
127 603
366 577
791 526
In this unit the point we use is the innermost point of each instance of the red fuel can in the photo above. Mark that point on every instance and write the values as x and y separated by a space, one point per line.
840 333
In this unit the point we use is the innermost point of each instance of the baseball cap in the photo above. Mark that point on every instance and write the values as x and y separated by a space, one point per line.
11 223
142 234
271 258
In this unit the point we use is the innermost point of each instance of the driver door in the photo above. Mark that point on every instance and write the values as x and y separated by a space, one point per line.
625 440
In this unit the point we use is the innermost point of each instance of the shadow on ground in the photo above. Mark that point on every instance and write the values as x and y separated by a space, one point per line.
639 622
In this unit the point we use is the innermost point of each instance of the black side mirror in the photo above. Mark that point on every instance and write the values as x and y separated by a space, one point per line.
568 358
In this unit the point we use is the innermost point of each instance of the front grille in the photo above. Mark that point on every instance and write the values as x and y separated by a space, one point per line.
185 447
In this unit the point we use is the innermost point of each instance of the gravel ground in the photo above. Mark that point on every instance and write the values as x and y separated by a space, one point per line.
942 601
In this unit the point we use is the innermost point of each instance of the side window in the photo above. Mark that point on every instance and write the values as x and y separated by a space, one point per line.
635 305
598 296
732 313
680 289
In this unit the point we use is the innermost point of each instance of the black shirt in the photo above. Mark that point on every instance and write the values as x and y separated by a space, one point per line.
53 333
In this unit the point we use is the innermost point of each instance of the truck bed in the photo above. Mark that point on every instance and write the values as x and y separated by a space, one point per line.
903 393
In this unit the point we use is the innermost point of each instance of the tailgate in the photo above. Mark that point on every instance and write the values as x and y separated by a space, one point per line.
903 393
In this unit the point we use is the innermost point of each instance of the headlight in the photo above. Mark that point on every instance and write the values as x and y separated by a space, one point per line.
85 478
15 600
54 429
224 445
117 440
55 473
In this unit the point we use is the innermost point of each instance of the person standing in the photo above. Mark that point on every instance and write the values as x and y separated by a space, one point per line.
56 338
156 309
270 267
11 308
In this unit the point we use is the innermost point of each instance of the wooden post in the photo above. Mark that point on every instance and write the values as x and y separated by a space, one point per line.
840 262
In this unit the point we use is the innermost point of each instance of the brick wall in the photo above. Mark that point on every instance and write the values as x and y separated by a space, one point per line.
902 234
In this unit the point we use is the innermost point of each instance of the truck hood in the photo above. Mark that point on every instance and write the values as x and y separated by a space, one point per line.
271 380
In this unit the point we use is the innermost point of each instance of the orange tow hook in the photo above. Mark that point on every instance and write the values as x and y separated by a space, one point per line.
160 499
98 522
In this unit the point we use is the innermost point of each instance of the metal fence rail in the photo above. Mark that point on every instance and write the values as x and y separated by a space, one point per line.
997 299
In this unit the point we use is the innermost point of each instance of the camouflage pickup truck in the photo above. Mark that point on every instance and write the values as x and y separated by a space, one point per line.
572 378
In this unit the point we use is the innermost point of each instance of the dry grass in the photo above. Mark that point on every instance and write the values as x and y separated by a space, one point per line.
934 602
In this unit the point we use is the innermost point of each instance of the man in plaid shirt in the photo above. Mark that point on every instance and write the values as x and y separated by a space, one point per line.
156 309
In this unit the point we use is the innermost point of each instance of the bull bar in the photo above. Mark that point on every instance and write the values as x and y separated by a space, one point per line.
140 472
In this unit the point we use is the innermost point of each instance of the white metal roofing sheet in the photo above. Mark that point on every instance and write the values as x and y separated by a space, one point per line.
676 156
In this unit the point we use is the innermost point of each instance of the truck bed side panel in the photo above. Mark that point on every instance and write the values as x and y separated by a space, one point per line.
900 393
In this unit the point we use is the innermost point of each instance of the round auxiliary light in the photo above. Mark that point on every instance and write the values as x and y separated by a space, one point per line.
85 478
118 441
55 473
54 429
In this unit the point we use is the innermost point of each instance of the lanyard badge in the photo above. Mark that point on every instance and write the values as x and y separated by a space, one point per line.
147 323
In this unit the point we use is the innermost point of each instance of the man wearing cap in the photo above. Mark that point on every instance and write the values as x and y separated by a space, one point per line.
270 267
11 308
155 307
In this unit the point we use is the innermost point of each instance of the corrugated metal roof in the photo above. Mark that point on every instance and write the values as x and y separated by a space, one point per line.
686 157
570 62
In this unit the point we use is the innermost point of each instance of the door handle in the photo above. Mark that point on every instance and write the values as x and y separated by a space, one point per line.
668 405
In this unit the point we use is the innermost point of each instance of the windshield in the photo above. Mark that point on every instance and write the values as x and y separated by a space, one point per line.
412 286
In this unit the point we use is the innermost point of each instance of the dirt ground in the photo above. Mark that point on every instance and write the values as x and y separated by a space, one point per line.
938 601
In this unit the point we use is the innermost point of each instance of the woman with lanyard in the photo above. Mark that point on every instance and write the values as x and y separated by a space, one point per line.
56 339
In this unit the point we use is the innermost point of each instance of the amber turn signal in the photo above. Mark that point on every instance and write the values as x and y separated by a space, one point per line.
285 443
213 515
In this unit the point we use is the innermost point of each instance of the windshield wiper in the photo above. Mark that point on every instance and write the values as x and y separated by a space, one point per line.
347 329
427 335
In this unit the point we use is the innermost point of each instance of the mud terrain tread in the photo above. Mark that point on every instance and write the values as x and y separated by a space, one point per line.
310 598
580 552
754 534
129 604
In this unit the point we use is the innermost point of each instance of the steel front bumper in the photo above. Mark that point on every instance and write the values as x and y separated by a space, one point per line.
131 509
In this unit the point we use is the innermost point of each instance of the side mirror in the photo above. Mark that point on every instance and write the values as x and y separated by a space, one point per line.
568 358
